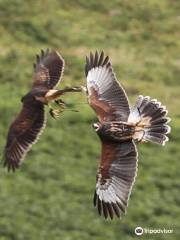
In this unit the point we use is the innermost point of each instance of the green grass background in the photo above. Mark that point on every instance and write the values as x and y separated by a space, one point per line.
50 197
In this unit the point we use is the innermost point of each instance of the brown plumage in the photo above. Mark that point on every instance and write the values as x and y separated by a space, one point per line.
118 128
29 123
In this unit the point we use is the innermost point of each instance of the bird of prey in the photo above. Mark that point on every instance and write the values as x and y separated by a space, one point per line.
119 127
29 123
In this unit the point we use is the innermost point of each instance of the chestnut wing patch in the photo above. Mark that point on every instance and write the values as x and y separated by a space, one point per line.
104 111
102 86
115 178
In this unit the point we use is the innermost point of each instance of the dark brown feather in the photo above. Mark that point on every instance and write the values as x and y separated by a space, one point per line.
116 209
23 132
95 199
101 59
110 210
49 68
105 211
99 206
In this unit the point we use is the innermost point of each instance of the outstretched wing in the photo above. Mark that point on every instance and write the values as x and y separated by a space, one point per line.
48 69
23 132
115 178
106 95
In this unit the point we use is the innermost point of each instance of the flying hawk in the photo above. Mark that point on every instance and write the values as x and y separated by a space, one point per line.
119 127
29 123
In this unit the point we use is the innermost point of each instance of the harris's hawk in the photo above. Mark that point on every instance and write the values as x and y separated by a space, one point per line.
119 127
31 120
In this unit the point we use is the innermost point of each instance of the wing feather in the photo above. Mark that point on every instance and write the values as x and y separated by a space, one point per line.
23 132
48 69
106 96
115 178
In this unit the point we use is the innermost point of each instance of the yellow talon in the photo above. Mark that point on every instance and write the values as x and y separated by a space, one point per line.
55 113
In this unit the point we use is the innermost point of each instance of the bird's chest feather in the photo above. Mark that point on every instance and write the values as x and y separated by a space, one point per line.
116 131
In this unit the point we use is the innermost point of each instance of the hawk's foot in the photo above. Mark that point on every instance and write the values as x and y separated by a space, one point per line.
60 103
55 113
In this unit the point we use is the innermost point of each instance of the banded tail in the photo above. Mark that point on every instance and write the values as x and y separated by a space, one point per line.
151 121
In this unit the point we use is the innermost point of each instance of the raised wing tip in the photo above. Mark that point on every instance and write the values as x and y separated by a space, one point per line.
37 58
59 56
96 59
54 54
40 56
42 52
87 59
47 50
106 60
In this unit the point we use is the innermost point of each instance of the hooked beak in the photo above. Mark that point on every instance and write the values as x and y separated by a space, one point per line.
96 126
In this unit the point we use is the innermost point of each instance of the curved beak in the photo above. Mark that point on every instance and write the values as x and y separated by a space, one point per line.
96 126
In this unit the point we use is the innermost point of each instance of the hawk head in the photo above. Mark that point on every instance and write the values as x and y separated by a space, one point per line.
96 126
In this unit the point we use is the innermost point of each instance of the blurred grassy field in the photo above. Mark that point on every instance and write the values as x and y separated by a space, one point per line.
50 197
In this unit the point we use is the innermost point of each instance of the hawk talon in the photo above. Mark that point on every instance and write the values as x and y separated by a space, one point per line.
55 113
60 102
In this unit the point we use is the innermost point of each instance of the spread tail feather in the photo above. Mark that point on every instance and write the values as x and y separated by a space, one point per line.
151 121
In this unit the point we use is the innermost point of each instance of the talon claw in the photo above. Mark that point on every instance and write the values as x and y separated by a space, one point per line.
55 113
60 103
